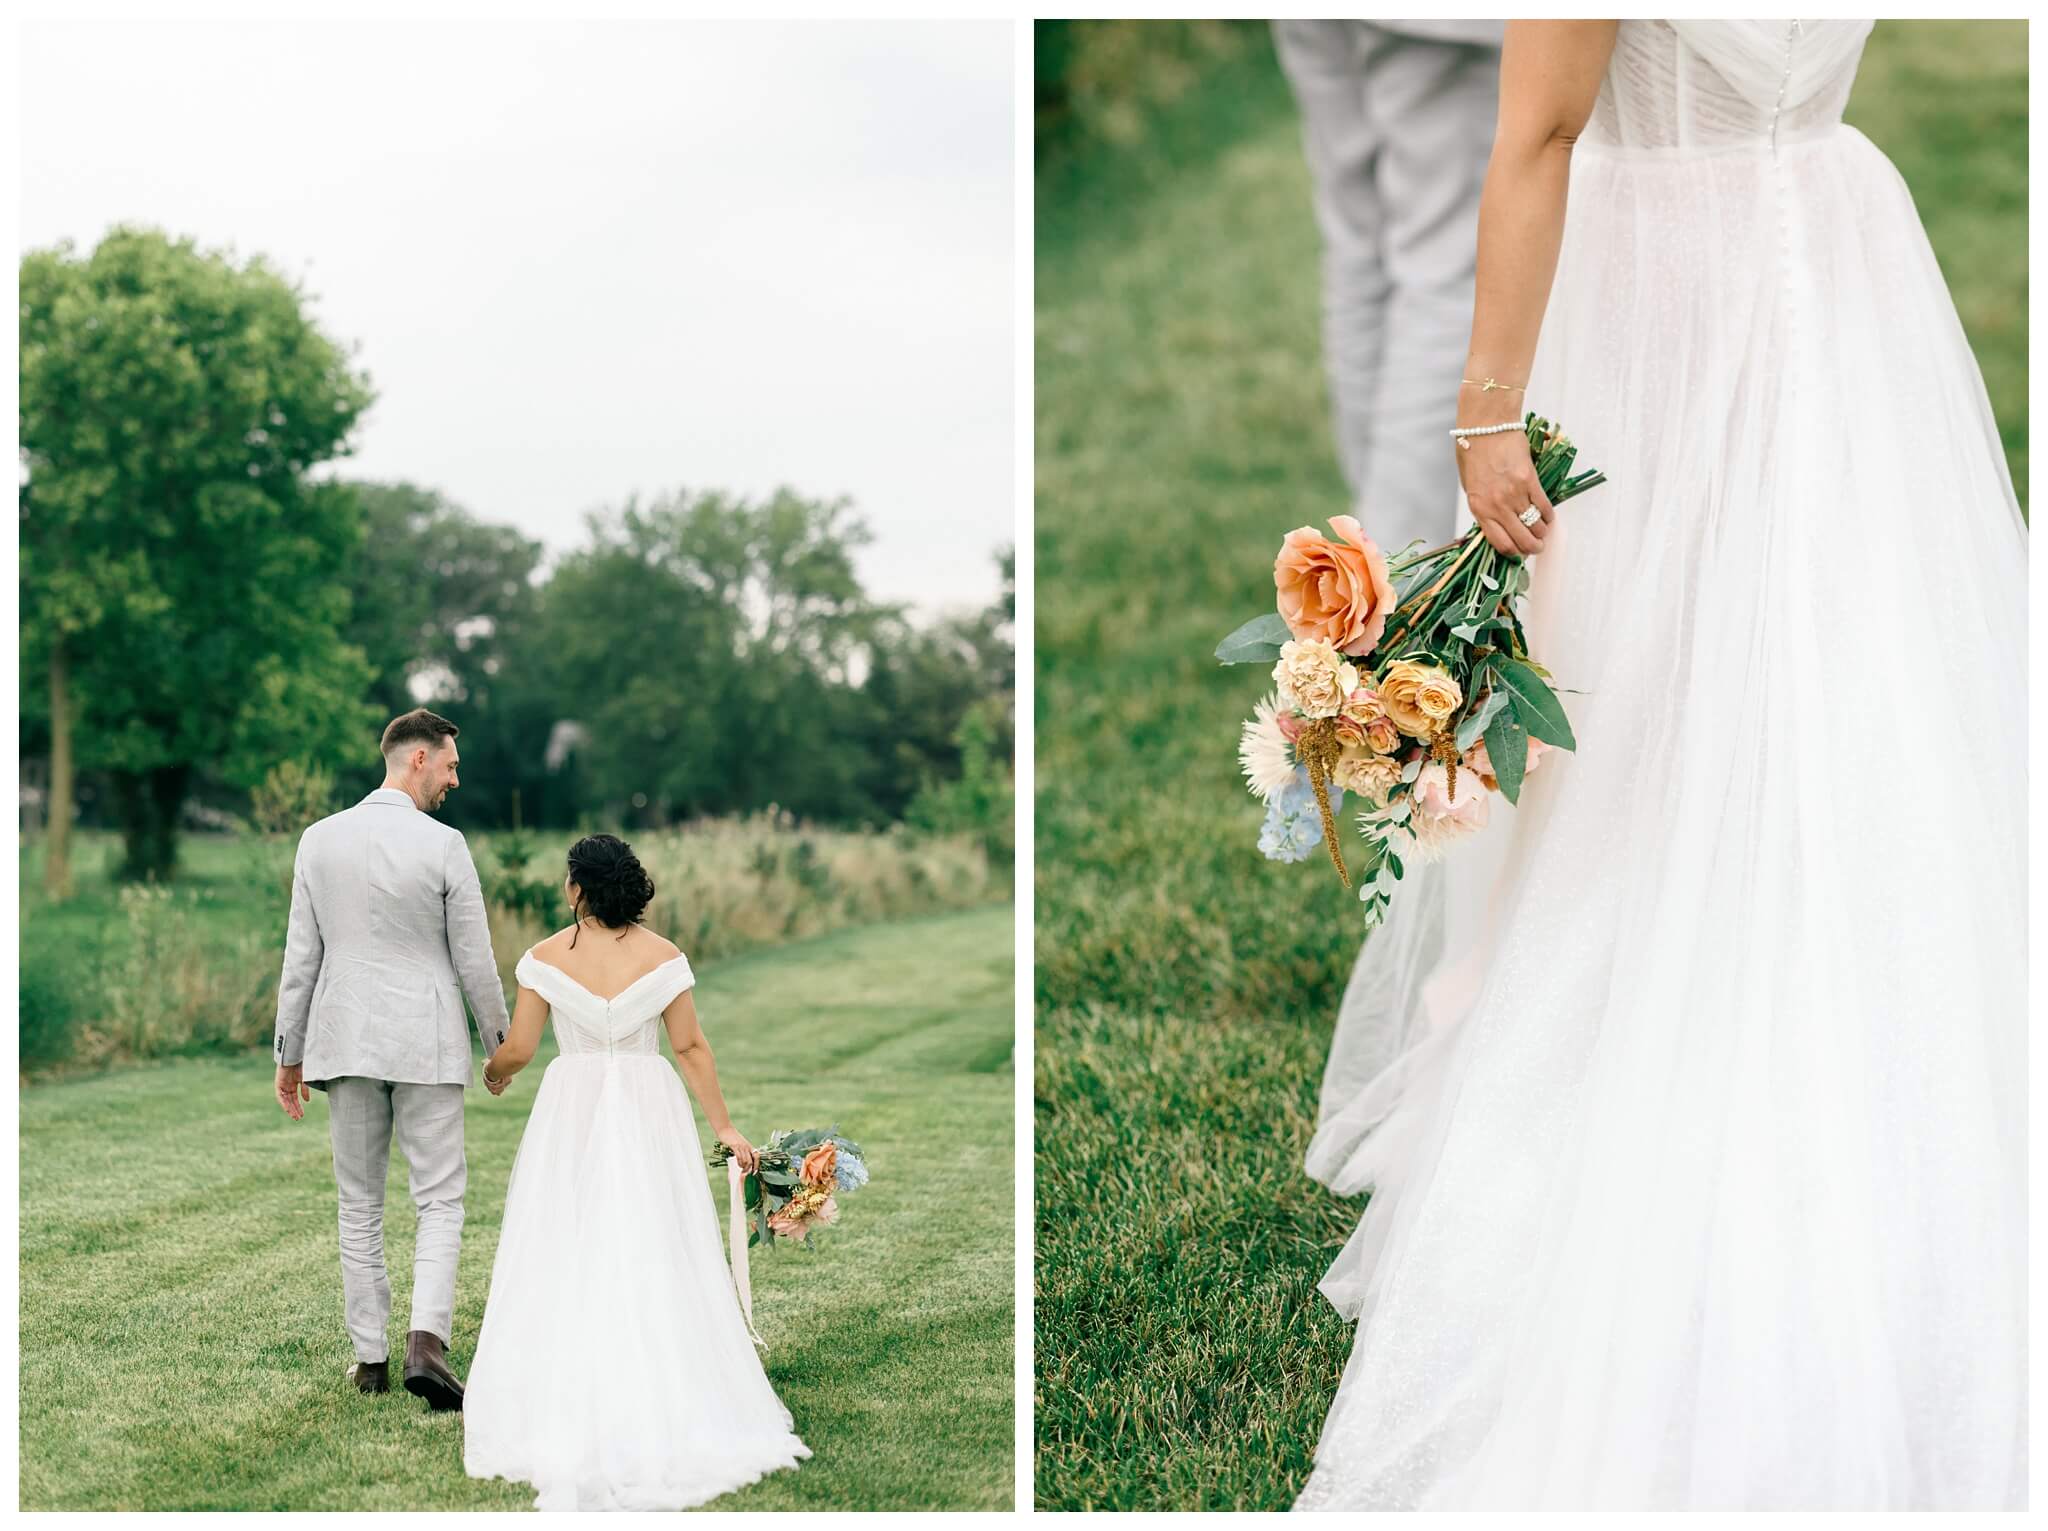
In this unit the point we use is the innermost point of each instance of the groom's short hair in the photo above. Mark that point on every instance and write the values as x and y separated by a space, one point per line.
416 727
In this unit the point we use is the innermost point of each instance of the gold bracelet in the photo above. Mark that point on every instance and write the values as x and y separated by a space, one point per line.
1489 385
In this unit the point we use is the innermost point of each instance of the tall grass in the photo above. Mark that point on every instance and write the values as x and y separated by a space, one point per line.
121 973
723 886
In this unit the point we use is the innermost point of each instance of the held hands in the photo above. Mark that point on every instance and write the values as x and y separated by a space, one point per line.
742 1151
492 1082
1500 485
292 1090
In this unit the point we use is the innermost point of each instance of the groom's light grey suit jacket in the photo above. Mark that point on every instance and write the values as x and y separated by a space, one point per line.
387 933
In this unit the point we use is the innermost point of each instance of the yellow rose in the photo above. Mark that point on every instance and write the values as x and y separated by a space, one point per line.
1418 697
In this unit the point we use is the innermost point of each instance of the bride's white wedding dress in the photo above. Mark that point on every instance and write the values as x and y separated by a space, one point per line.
615 1369
1698 1148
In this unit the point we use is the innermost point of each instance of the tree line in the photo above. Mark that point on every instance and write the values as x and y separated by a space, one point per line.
202 610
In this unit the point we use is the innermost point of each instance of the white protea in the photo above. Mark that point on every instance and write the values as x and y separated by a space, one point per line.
1265 754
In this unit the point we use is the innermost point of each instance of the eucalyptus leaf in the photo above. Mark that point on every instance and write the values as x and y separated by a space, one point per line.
1536 705
1477 719
1507 748
1257 642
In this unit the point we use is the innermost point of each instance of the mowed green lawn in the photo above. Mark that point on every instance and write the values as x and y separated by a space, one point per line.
181 1325
1185 987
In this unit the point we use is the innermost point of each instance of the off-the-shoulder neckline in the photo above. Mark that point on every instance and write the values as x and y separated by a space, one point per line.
601 999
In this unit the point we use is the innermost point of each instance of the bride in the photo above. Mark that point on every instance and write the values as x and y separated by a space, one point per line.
615 1369
1697 1149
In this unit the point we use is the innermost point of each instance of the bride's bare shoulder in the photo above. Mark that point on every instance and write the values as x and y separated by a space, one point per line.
661 943
547 946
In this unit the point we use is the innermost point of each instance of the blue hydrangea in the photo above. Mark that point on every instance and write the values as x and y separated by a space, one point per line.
851 1174
1294 824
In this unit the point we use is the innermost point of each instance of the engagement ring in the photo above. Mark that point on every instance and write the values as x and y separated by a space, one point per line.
1531 516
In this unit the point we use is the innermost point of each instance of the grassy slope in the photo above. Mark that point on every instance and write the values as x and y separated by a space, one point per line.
1185 989
181 1334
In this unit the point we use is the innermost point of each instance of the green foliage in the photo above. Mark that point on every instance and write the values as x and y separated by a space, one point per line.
1185 991
1101 82
172 544
181 1342
723 658
511 886
52 984
436 594
982 800
220 612
291 796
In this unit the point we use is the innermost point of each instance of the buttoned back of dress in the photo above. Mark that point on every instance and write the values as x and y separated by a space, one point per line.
589 1027
1705 85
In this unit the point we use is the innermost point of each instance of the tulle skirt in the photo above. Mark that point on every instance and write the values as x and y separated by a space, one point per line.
614 1369
1697 1146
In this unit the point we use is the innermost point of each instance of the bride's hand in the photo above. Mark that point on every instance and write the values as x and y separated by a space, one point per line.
742 1151
1500 485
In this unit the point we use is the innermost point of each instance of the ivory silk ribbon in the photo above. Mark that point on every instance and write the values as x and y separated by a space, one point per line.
736 1223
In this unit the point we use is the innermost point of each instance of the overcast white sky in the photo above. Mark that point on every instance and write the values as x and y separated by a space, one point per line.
585 260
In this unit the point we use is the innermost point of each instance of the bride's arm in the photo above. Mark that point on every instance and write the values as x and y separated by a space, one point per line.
700 1073
522 1041
1550 73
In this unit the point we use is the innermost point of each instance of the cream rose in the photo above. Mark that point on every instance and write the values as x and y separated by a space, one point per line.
1371 776
1314 679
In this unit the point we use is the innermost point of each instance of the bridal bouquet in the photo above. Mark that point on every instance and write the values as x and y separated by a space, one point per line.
1407 683
796 1181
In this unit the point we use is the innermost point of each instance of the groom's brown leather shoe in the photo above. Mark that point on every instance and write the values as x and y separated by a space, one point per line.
371 1376
427 1373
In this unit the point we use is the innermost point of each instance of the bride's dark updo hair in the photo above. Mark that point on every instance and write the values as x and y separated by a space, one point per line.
615 887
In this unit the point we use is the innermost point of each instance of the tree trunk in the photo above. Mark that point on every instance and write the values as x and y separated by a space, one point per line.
57 836
149 802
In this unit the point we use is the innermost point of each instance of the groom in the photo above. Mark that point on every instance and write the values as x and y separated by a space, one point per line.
387 918
1397 122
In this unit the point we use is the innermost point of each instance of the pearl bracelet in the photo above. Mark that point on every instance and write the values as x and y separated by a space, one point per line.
1483 430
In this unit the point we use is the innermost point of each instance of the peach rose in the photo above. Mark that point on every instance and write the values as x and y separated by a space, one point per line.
1481 763
788 1222
1361 710
1381 735
820 1164
1338 591
1418 697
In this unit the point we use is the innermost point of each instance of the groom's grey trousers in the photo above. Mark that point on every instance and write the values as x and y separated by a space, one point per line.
1397 120
361 1116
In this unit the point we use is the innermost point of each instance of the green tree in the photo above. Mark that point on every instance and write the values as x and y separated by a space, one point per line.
710 644
433 595
444 605
180 588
